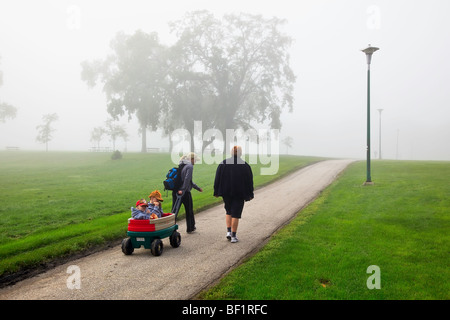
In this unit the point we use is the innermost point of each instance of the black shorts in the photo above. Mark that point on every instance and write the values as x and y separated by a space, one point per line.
234 206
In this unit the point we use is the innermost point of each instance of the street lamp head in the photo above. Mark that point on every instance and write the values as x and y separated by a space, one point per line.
369 51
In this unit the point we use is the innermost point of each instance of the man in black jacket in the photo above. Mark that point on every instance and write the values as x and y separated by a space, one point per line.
234 183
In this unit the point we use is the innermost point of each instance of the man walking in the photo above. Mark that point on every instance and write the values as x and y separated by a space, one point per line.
187 184
234 183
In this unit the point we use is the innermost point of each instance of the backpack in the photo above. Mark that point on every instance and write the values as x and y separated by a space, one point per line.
173 178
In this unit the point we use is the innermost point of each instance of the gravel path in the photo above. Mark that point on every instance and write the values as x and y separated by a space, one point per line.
202 258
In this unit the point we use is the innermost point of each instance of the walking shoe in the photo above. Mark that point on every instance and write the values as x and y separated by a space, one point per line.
193 230
234 239
229 236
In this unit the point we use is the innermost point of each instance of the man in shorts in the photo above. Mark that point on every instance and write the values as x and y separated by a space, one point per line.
234 183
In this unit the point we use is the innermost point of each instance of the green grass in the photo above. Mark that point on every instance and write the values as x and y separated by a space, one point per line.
401 224
59 203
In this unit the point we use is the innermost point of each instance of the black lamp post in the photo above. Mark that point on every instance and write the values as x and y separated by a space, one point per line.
368 51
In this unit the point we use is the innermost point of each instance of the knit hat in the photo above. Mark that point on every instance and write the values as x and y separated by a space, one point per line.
157 195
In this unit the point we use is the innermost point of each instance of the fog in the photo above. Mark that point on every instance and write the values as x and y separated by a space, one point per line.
42 44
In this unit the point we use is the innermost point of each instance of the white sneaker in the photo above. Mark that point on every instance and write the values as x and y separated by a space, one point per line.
229 235
234 239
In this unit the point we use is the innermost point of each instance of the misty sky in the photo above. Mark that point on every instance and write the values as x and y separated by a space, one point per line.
42 44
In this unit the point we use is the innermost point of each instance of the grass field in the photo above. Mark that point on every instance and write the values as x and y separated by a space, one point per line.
59 203
401 224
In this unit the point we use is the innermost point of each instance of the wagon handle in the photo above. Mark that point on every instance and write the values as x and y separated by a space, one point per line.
176 206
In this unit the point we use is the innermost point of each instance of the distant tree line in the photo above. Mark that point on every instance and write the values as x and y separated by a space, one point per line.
45 129
225 72
110 129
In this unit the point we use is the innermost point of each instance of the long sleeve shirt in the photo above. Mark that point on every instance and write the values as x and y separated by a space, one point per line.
155 209
186 177
138 214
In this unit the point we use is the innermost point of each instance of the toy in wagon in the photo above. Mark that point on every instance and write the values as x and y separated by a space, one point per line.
148 225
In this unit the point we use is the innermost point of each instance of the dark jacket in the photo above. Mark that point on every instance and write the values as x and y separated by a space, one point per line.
234 178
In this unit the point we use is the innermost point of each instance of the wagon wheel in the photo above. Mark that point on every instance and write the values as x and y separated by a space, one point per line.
157 247
175 239
127 246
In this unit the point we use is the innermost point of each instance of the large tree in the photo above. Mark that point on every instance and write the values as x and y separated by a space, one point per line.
238 66
133 78
189 96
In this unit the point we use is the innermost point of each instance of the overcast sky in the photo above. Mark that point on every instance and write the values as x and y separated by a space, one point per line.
42 44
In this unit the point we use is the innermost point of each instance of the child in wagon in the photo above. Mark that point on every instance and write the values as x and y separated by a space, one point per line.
154 206
141 212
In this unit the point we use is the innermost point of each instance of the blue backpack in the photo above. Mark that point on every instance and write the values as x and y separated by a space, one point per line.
173 178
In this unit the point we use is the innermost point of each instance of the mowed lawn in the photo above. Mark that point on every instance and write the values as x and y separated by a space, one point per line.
59 203
401 224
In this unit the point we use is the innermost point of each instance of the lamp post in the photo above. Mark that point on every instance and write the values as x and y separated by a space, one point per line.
379 137
368 51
